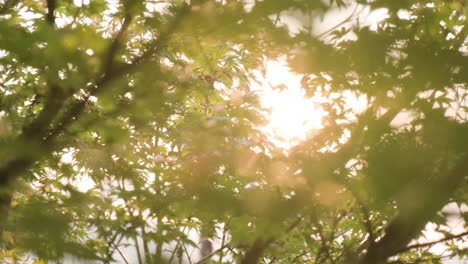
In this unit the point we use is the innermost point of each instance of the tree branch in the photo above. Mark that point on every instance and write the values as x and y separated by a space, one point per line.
260 245
39 133
111 72
108 64
51 5
411 219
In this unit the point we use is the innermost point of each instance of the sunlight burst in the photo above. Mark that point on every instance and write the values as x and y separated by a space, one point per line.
292 115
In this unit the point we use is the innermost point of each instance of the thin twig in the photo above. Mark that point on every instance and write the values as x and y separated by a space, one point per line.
116 43
339 24
214 252
296 258
366 214
428 244
177 245
186 253
137 248
120 253
223 241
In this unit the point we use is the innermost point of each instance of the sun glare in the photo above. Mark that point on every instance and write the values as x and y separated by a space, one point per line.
292 116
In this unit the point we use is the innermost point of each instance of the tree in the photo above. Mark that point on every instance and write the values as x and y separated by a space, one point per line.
148 104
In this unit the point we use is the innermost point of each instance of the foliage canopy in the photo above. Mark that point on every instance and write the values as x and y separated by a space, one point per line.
130 126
